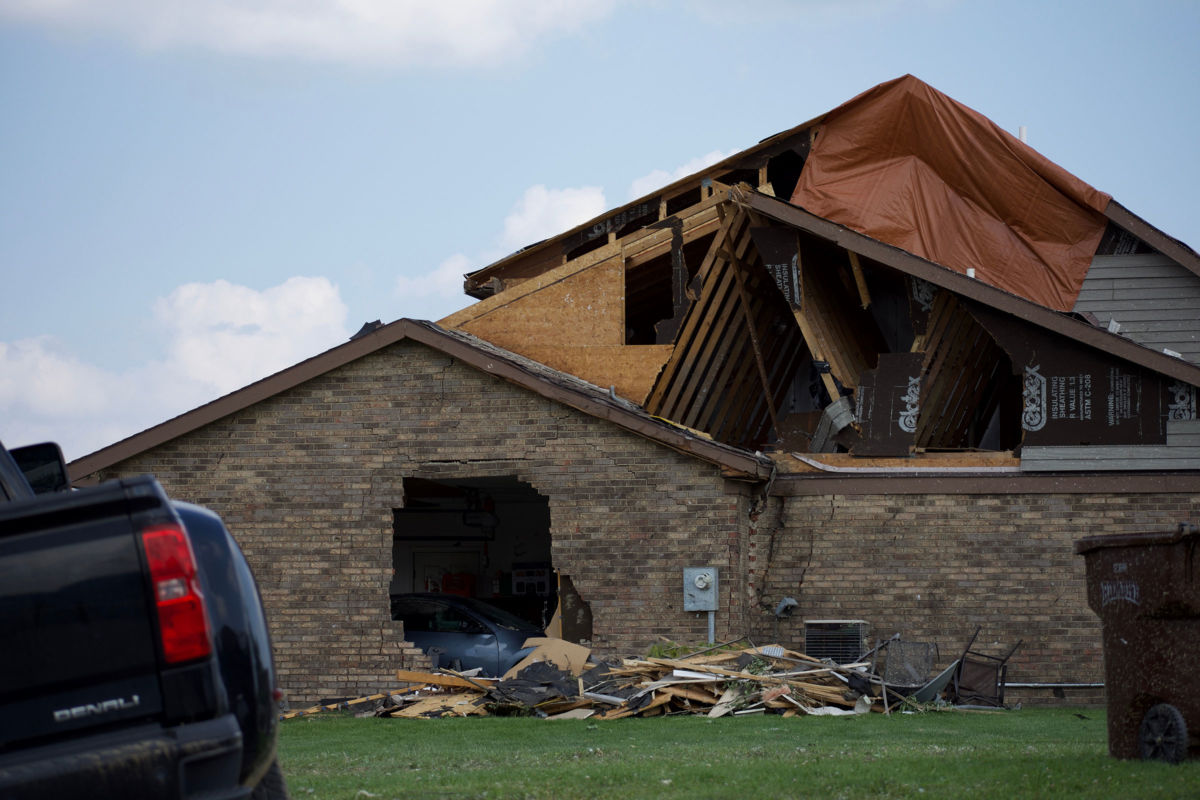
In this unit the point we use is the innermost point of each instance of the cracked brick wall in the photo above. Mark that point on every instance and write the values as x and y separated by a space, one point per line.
934 566
307 481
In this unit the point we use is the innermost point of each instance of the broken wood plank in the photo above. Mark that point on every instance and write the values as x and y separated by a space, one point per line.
629 710
559 706
575 713
458 704
438 679
725 704
860 280
695 694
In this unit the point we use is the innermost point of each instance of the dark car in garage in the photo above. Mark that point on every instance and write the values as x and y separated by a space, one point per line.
463 633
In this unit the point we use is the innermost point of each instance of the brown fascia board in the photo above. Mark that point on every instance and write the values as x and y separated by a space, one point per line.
543 380
970 288
1167 245
881 483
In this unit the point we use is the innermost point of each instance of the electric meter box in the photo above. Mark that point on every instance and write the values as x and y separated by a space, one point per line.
699 588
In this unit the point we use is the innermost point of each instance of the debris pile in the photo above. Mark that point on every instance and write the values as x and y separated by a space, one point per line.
557 681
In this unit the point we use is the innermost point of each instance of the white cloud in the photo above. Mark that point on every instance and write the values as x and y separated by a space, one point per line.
824 13
47 394
227 336
538 214
434 294
420 32
218 337
38 374
659 178
543 212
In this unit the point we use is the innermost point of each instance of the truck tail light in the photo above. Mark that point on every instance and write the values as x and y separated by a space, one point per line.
182 621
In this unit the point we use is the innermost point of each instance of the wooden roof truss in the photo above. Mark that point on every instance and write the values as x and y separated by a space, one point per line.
737 349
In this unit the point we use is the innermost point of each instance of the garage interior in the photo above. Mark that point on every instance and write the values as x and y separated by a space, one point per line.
487 538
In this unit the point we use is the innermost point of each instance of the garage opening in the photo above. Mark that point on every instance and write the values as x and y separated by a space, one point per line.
484 538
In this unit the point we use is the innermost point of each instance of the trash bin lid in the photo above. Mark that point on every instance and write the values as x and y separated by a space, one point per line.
1149 539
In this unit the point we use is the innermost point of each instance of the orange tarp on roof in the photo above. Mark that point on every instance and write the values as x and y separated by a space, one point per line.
905 164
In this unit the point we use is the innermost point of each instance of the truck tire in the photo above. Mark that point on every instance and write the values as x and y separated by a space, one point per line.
272 785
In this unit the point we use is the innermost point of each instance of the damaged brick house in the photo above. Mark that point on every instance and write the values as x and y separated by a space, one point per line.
889 364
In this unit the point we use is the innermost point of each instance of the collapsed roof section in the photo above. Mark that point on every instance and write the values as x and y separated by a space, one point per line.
909 166
724 309
718 319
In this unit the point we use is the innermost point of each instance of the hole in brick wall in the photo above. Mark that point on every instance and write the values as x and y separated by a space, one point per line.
482 537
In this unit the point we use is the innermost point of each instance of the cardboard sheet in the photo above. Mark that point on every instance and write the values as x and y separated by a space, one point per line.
564 655
907 165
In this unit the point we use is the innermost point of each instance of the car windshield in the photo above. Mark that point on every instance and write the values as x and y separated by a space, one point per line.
499 616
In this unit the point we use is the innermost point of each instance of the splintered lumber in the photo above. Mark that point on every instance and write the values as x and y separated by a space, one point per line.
577 713
562 706
439 679
690 693
336 706
860 280
754 680
725 704
629 710
459 705
784 677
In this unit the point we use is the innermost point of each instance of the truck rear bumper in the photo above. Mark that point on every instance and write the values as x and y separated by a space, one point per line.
187 761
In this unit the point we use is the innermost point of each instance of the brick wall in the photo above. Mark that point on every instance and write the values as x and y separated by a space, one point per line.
306 480
934 566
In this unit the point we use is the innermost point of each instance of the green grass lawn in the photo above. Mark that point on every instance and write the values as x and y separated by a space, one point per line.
1014 754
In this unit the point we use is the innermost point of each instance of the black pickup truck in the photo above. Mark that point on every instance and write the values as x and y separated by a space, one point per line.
134 655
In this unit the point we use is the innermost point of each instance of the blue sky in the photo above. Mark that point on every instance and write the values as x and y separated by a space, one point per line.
197 193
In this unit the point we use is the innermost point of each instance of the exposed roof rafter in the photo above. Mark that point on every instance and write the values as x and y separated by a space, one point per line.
971 288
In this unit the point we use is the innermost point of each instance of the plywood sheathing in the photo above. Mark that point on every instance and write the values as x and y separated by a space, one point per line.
629 369
585 308
635 251
525 288
721 378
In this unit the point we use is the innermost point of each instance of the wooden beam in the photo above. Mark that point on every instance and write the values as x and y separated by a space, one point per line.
860 280
973 289
817 346
692 334
750 326
437 679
